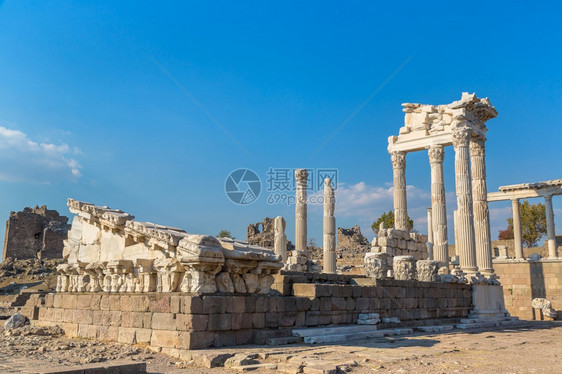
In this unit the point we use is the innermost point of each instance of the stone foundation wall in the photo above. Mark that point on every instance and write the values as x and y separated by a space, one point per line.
176 322
526 280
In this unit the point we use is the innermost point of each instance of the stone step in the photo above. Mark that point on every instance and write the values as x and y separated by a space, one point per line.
243 368
333 330
435 328
338 338
476 325
284 340
118 367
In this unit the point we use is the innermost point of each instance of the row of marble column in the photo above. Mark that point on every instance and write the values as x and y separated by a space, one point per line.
472 219
329 227
550 231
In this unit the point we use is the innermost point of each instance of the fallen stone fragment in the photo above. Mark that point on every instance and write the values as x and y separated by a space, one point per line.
15 321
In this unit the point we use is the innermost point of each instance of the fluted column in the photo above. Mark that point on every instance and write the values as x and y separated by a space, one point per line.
329 228
400 198
430 234
280 239
480 207
517 229
550 232
301 175
438 206
465 219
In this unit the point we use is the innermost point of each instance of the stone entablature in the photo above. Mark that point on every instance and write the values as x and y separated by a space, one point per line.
515 192
107 251
431 125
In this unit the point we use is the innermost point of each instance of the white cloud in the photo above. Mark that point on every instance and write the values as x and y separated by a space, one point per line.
25 160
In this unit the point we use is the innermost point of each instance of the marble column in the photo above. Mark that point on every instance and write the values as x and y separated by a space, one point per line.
465 219
517 229
481 213
301 175
438 206
400 198
329 228
550 231
280 239
430 233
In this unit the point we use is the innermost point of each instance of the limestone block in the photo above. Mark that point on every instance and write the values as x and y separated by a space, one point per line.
404 268
368 319
224 282
238 283
377 265
427 270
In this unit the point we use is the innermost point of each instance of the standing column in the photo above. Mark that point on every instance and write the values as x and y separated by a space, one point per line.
430 233
329 228
517 229
280 239
400 199
480 207
301 176
465 220
550 232
438 206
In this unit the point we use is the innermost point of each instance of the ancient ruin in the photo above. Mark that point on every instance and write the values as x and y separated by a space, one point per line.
515 192
351 241
329 228
107 251
431 128
35 233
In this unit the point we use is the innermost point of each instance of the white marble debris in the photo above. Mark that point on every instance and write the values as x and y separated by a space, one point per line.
107 251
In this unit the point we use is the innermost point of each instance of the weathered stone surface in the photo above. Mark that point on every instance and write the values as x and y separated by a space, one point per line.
404 268
377 265
426 270
351 241
108 251
368 319
15 321
35 233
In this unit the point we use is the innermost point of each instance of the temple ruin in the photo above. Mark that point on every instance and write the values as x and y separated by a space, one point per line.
516 192
35 233
430 128
177 291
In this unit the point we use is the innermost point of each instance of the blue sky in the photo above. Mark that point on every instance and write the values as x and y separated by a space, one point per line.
94 102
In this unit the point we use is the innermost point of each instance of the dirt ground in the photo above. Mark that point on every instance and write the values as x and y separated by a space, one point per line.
536 348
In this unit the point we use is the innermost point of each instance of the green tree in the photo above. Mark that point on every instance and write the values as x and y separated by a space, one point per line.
225 234
388 219
533 223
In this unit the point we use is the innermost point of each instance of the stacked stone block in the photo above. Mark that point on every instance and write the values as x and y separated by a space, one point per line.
174 323
524 281
397 242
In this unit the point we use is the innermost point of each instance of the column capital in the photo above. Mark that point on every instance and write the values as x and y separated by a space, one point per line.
398 160
436 153
515 200
461 137
548 197
301 175
477 147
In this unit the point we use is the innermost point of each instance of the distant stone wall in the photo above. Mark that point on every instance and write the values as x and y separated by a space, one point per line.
523 281
351 242
263 234
35 233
